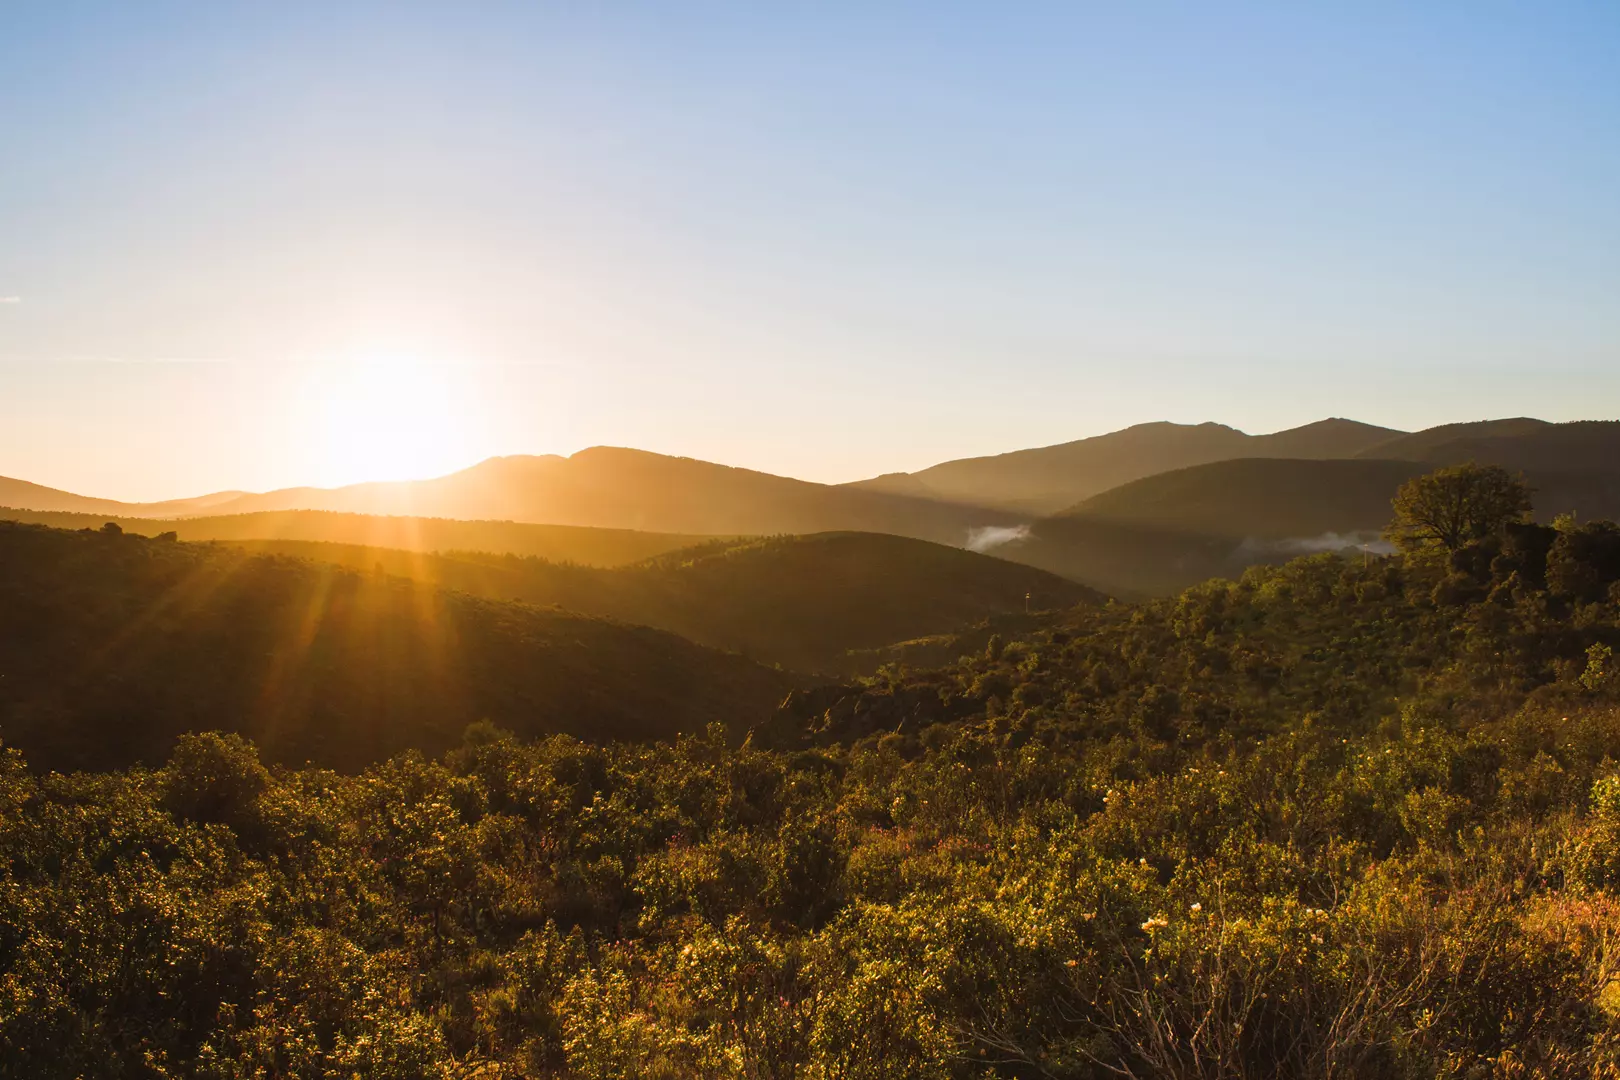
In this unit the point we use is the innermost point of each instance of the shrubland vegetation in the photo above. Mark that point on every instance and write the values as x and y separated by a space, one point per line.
1341 817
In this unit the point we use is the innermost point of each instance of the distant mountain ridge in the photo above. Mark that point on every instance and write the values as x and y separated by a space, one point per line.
1167 531
1048 479
613 487
29 496
1577 466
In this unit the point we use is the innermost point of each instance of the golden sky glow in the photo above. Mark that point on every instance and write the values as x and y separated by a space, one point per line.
383 414
262 245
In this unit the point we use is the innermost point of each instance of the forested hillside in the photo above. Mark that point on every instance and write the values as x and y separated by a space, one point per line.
111 645
1331 818
804 602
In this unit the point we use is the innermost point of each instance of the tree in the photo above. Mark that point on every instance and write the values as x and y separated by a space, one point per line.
1454 506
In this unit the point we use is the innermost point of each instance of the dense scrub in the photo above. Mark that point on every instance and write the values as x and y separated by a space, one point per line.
1331 820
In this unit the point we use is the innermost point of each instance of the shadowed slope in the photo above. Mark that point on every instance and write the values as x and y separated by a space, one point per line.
110 646
1273 498
804 602
1167 532
1586 446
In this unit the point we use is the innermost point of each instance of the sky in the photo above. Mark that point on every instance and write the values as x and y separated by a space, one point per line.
245 246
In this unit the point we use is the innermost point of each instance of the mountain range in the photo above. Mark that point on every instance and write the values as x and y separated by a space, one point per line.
1146 509
1052 478
604 487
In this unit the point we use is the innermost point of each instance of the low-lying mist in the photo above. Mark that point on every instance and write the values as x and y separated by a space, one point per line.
985 537
1329 541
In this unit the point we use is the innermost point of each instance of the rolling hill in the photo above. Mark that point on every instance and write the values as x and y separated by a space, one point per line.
1278 499
1268 498
1421 445
1127 560
1052 478
26 495
1534 446
558 543
1165 532
113 645
804 602
610 487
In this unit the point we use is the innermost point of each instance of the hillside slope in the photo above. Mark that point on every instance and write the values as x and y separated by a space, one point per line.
1129 560
1585 446
111 646
559 543
602 487
805 602
1048 479
610 487
1167 532
1419 445
23 494
1280 499
1368 808
1270 498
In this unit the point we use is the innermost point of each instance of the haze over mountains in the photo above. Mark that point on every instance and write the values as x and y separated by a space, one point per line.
1147 509
604 487
1052 478
24 495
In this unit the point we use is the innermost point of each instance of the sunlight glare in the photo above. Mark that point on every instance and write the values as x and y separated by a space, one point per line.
378 415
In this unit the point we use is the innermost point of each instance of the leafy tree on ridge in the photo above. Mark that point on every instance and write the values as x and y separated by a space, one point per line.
1450 507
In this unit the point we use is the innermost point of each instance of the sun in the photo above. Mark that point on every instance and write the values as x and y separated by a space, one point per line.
382 415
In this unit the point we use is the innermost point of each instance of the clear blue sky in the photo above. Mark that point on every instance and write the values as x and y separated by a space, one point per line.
825 240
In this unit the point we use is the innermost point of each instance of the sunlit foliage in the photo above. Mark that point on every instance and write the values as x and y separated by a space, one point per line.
1339 818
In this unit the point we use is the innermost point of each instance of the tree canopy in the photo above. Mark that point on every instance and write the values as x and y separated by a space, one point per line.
1450 507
